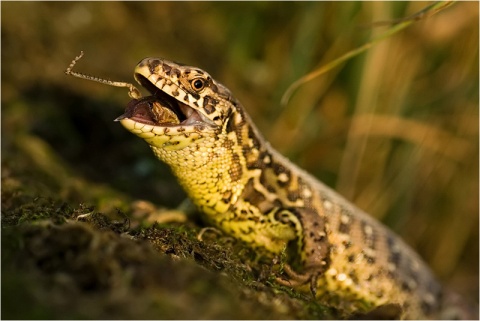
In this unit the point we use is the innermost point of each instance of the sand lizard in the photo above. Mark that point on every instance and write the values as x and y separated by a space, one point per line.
244 187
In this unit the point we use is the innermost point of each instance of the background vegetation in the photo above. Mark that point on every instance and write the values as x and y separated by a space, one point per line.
395 130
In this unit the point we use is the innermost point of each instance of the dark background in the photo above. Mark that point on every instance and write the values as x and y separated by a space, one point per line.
395 129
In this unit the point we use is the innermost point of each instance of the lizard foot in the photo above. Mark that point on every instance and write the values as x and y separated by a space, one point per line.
149 213
296 279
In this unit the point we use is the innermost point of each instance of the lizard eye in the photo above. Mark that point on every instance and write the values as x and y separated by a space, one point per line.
198 84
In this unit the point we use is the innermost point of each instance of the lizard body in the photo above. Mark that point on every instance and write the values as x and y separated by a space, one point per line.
247 189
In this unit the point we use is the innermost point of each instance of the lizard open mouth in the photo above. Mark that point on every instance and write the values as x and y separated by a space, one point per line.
161 109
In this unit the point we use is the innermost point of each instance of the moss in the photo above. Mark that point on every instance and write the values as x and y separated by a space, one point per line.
68 260
80 271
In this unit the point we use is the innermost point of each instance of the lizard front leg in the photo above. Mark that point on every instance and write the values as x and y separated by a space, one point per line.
311 250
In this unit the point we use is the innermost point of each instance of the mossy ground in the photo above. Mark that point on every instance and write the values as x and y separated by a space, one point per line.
58 263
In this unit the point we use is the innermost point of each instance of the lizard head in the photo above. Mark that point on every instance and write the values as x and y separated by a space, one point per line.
185 101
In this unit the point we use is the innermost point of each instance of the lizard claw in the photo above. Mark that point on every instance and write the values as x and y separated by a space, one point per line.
296 279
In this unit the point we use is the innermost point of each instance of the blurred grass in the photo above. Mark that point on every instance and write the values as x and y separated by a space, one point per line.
395 129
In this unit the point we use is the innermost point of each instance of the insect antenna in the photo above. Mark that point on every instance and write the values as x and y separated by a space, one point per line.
133 92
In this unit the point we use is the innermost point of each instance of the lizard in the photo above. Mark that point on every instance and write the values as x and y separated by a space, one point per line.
342 256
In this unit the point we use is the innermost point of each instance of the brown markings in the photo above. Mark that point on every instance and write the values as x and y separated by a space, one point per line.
283 178
370 259
345 221
231 126
209 109
347 244
176 72
277 203
265 158
253 138
293 196
251 157
307 198
404 273
369 235
410 275
194 94
235 170
394 256
406 286
251 147
265 181
166 69
313 238
152 65
256 198
213 87
228 144
353 275
434 289
209 83
209 104
279 169
284 216
242 132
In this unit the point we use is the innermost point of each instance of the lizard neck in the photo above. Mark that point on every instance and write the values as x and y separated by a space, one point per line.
214 170
236 163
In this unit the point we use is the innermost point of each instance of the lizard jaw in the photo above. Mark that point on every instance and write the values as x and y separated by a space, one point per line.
162 108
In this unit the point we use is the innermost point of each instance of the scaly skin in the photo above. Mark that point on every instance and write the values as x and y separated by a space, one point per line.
247 189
